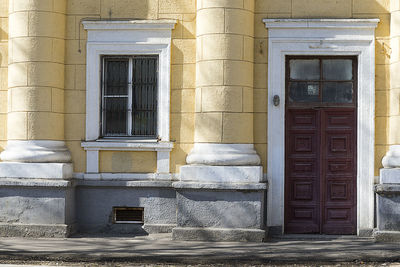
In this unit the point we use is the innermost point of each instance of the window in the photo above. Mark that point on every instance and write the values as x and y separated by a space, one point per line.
129 96
128 92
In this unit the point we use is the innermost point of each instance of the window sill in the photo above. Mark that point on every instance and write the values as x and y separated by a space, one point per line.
127 145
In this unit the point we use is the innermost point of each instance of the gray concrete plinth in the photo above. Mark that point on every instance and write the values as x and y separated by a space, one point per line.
36 207
218 234
387 236
388 207
219 213
36 230
158 228
97 198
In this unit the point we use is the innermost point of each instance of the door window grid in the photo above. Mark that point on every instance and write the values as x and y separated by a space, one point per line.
131 112
312 80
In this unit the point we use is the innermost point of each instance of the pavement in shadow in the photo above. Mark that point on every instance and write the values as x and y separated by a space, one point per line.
161 249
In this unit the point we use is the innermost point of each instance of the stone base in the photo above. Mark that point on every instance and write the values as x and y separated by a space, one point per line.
220 212
36 170
158 228
212 154
221 174
36 230
390 176
218 234
36 207
95 216
388 199
365 232
387 236
388 207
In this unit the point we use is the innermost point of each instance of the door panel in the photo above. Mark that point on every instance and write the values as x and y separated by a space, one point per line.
320 171
302 171
338 170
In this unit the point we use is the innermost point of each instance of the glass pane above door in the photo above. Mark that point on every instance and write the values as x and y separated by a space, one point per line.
337 69
303 92
304 69
336 92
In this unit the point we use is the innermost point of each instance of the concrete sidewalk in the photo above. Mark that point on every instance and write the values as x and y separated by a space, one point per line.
161 249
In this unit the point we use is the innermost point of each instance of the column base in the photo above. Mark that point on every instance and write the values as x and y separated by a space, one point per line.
37 207
36 170
38 151
220 211
218 234
388 207
387 236
223 155
36 230
221 174
390 176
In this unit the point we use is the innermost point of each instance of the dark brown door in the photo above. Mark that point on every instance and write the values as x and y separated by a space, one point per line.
320 162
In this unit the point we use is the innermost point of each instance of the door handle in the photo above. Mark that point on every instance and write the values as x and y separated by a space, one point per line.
276 100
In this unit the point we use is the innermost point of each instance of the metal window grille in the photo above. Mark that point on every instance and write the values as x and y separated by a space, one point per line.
129 96
128 214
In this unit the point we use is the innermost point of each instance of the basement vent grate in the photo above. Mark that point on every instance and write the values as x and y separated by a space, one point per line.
128 215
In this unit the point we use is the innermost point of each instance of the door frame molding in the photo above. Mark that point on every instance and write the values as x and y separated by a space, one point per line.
333 37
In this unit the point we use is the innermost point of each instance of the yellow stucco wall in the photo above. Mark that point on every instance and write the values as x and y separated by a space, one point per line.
183 69
122 161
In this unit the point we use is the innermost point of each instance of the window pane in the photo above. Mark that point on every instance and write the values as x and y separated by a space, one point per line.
116 76
336 92
303 92
304 69
115 115
337 69
144 96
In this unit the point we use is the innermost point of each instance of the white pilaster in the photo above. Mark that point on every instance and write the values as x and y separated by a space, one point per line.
92 161
163 162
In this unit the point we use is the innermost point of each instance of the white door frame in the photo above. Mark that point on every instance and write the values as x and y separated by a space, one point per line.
322 37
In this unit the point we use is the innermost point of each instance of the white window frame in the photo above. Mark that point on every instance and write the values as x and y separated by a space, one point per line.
135 37
322 37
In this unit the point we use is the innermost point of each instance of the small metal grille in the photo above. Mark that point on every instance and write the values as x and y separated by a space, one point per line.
128 215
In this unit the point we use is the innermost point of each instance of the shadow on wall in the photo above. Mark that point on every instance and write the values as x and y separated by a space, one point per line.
3 34
129 9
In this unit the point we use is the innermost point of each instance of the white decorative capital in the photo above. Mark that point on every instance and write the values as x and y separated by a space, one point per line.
223 155
392 157
36 151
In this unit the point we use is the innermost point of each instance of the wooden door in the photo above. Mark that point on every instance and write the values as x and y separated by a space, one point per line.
320 161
